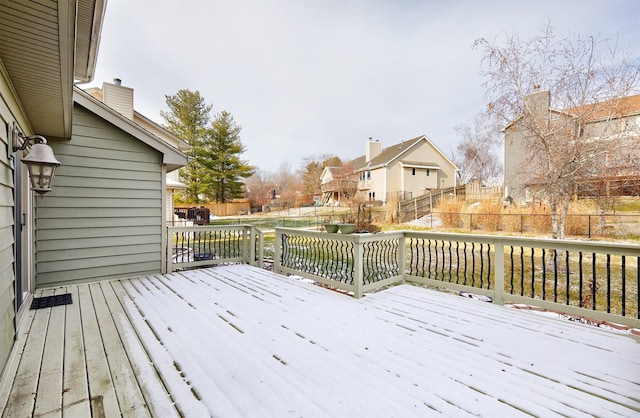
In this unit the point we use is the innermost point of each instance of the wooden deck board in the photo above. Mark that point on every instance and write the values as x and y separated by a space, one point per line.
130 399
75 394
22 397
240 341
48 398
151 389
102 394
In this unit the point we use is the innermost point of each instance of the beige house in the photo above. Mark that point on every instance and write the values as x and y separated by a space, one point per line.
121 99
401 171
610 130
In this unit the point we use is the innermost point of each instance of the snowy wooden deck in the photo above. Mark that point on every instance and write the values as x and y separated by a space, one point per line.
241 341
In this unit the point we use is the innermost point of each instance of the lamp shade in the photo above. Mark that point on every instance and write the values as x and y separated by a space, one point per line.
41 164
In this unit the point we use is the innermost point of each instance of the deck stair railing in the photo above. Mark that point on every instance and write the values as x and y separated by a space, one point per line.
198 246
586 279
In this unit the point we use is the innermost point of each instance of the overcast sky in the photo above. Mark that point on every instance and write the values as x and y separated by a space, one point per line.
305 78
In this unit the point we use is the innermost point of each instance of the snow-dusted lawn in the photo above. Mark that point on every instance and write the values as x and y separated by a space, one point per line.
241 341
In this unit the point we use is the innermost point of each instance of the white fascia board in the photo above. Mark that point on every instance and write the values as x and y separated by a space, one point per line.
418 165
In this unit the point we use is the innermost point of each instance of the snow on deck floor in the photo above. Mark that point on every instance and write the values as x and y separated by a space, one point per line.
241 341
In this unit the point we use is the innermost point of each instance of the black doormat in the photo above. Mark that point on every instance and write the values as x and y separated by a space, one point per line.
49 301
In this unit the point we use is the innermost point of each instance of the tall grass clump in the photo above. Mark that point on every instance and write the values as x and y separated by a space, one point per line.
450 213
488 216
577 222
539 219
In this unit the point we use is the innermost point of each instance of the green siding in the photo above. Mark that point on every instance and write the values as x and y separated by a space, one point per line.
7 270
103 218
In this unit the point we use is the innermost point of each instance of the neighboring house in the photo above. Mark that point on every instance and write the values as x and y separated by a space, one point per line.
38 69
338 185
408 169
105 215
614 124
120 99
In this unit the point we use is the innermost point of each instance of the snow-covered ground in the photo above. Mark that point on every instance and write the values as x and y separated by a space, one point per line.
241 341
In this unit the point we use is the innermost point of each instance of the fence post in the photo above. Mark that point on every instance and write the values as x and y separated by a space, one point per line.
499 272
358 267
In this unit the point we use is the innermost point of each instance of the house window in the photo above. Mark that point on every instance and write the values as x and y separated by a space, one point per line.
372 195
428 172
413 171
368 175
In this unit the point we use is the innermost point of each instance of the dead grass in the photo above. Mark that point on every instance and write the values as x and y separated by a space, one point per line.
450 213
488 217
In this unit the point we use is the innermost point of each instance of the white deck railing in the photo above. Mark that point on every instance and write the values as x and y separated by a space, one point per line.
595 280
199 246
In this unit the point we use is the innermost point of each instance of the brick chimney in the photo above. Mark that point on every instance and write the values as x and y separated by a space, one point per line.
118 97
372 150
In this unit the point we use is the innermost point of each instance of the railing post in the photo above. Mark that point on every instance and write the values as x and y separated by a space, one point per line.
499 272
169 250
402 257
358 267
260 248
251 231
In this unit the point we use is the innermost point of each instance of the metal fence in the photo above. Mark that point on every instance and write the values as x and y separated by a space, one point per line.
586 279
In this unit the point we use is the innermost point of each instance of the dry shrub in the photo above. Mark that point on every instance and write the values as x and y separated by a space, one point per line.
539 219
488 216
450 213
512 219
390 210
577 222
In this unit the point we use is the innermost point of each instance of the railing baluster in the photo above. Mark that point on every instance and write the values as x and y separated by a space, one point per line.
568 285
608 283
580 296
624 285
544 275
465 262
533 273
511 269
481 267
450 265
555 276
594 283
457 262
521 271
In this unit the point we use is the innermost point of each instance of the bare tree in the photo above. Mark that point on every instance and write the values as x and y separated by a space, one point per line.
259 189
585 77
476 155
287 184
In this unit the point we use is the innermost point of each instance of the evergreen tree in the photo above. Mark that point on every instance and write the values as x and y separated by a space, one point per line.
218 154
215 171
187 118
188 115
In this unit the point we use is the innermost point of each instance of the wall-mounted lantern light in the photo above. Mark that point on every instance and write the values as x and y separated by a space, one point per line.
41 162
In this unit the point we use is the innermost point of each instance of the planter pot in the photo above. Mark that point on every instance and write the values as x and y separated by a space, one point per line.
331 228
347 228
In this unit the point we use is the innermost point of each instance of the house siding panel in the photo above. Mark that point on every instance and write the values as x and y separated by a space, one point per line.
7 275
103 219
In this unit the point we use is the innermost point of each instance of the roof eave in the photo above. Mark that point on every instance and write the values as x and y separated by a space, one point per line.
172 157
